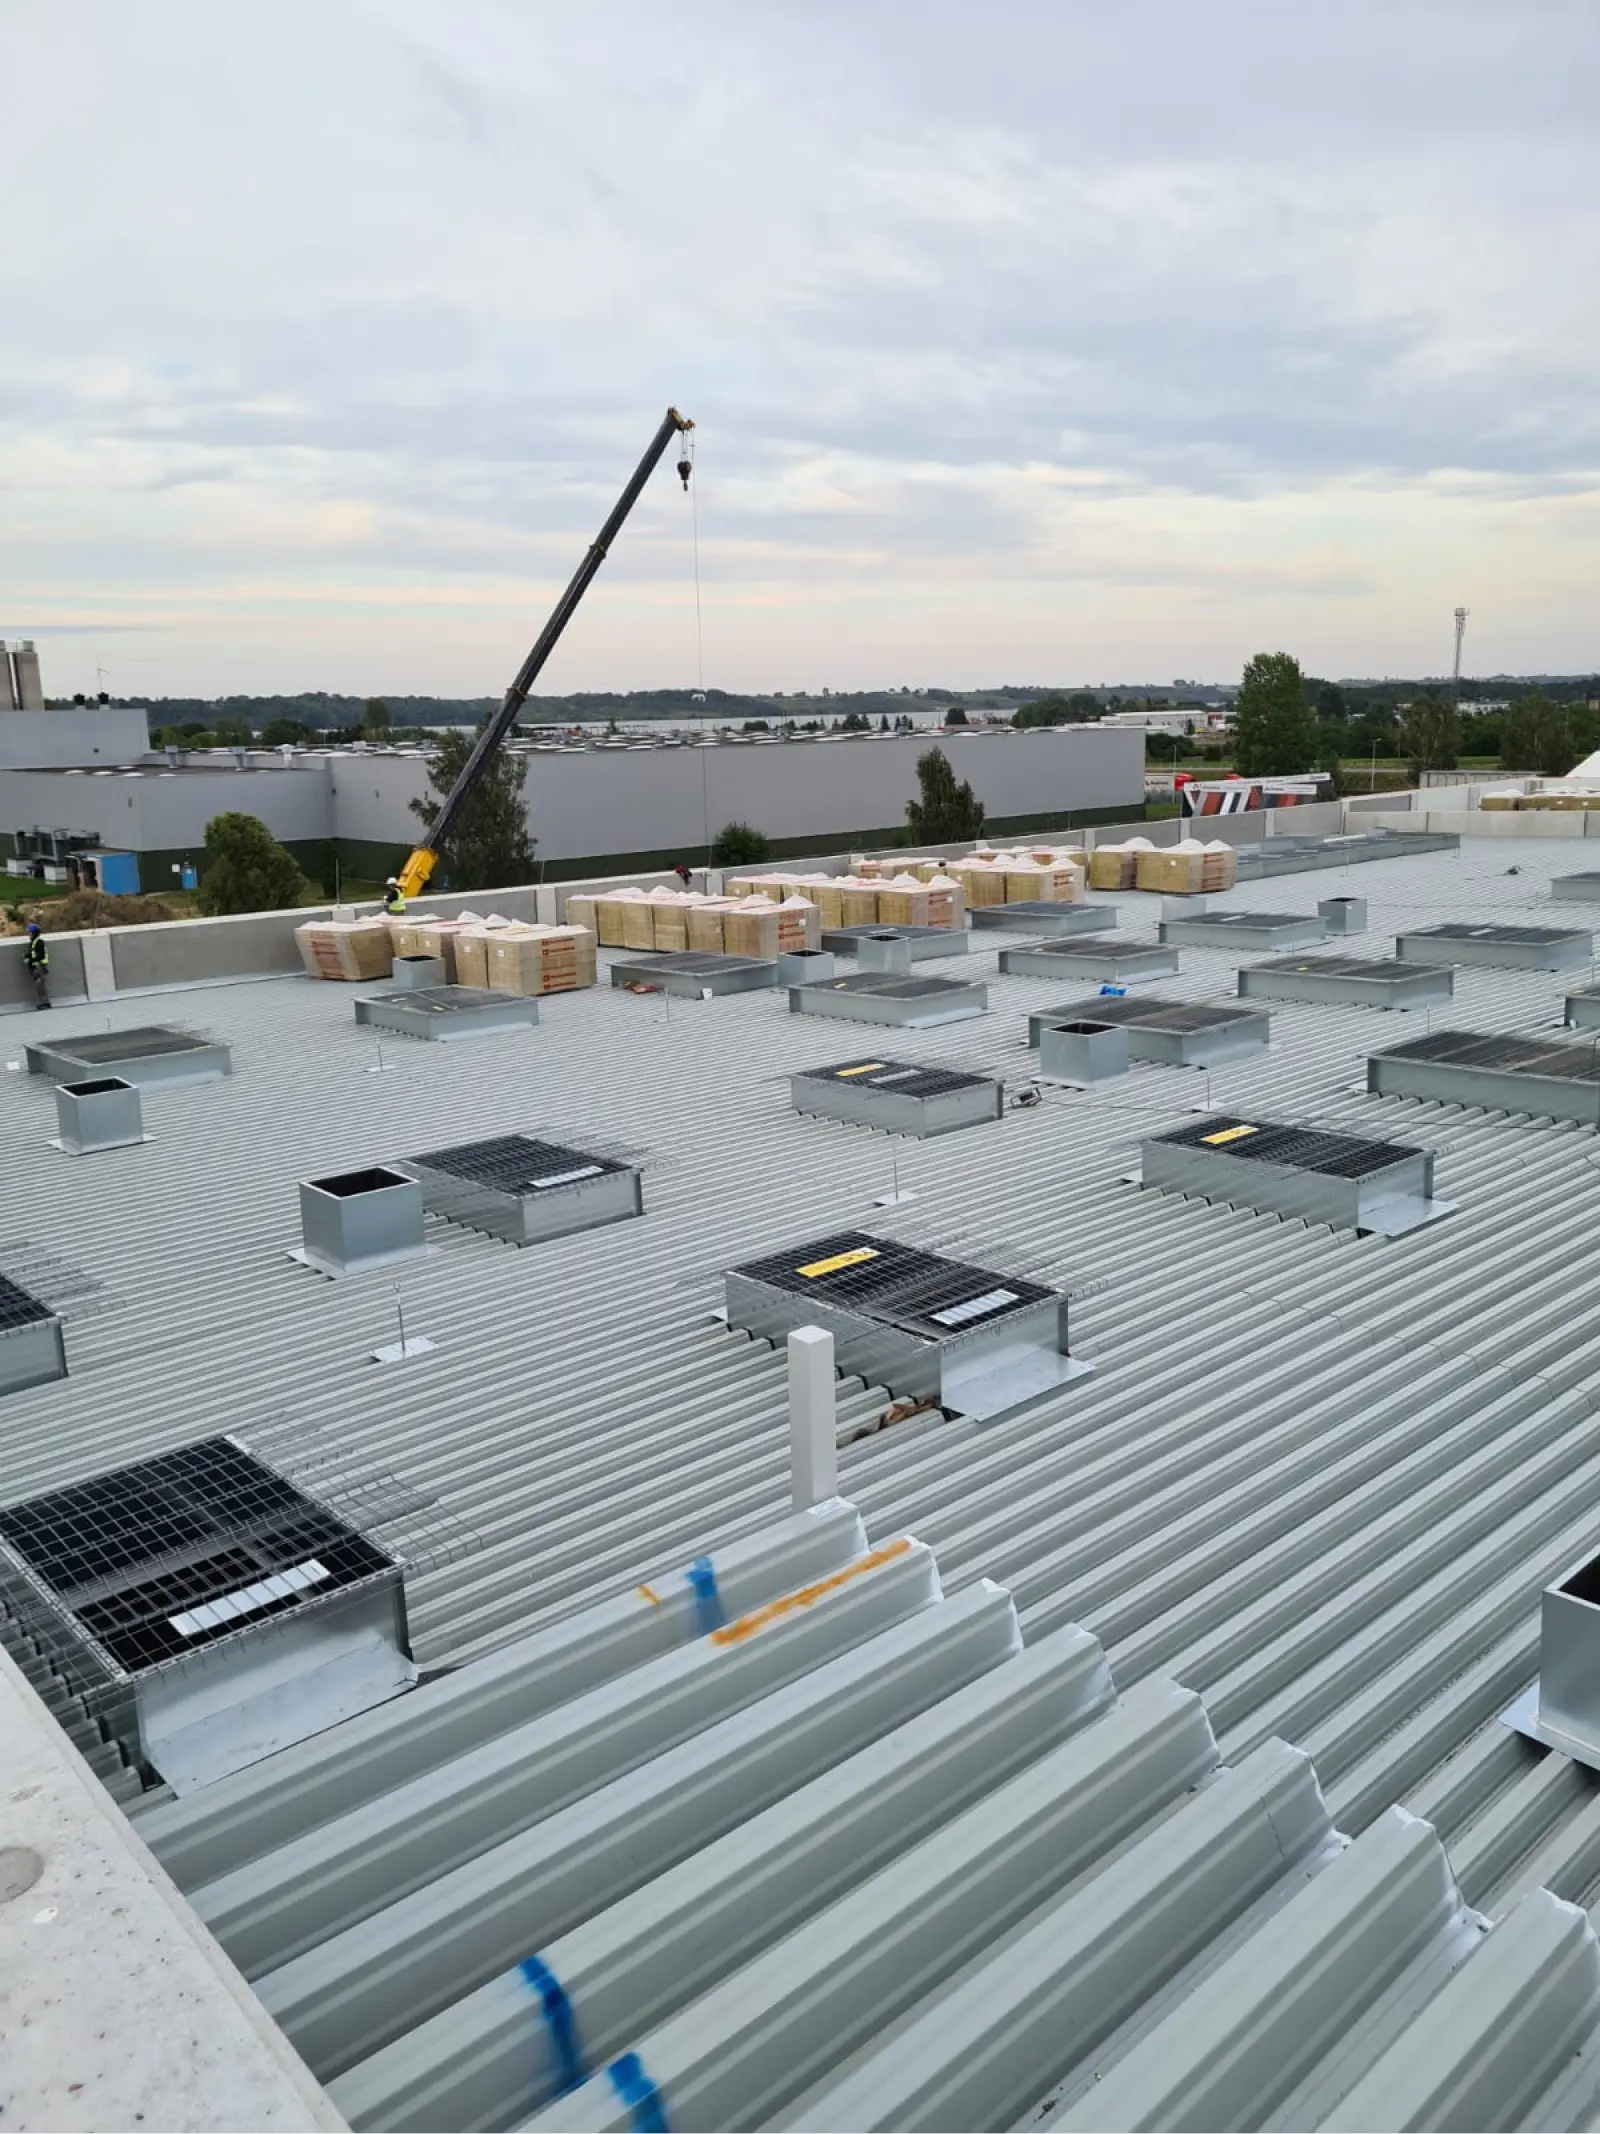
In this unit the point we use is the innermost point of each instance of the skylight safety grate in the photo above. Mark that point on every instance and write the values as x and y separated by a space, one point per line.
155 1560
515 1163
1302 1147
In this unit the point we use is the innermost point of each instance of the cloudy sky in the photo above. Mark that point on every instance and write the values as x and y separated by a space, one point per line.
1041 340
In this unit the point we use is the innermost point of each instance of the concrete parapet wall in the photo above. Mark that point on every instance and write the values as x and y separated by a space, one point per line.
119 2007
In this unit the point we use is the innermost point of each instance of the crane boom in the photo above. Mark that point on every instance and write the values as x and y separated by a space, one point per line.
414 875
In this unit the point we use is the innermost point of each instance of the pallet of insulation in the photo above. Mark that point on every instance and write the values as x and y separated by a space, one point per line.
670 916
1220 867
947 903
1179 871
638 923
904 901
1117 866
535 960
980 882
799 925
751 929
858 901
346 949
611 913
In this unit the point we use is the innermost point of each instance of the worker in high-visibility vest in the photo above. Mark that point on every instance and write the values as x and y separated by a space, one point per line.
394 904
36 962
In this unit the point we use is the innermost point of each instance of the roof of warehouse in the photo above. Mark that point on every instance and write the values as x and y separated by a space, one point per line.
1320 1478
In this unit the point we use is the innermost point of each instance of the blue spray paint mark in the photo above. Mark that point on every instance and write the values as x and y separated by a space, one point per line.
560 2020
638 2094
1116 991
708 1615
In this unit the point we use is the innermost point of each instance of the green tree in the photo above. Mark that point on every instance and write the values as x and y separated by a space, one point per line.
1430 733
1274 732
233 732
1535 736
277 732
956 715
375 719
736 844
945 813
488 846
244 868
328 869
1332 710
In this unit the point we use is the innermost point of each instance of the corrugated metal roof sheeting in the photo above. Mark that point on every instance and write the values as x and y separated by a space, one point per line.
1317 1477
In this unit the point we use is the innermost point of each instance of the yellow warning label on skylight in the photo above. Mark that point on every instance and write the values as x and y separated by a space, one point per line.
1229 1133
866 1067
840 1259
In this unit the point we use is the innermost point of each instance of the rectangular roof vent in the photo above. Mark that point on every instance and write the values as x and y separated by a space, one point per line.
448 1011
1520 948
1111 957
1575 889
1034 917
1169 1033
32 1350
927 1327
204 1606
900 1003
525 1190
1545 1079
1353 981
155 1053
689 973
922 942
898 1097
1246 929
1583 1008
1347 1180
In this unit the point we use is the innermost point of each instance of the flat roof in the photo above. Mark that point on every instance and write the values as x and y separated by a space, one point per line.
1320 1478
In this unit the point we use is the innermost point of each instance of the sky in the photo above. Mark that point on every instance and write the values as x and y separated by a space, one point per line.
1042 341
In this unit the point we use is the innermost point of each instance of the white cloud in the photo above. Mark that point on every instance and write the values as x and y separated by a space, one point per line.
1045 340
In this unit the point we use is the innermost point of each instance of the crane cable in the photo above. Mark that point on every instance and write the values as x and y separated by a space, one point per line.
700 660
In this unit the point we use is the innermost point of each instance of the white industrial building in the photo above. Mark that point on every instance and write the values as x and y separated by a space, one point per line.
599 802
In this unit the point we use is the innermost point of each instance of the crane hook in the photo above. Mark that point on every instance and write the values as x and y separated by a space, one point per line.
685 469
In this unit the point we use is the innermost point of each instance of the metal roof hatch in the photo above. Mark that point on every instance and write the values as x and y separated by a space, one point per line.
897 1001
965 1337
204 1607
446 1012
1348 1181
523 1189
159 1052
898 1097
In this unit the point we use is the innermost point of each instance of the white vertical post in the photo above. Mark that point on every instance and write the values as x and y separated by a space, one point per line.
813 1441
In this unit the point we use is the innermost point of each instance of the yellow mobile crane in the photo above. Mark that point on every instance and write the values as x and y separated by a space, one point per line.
414 874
